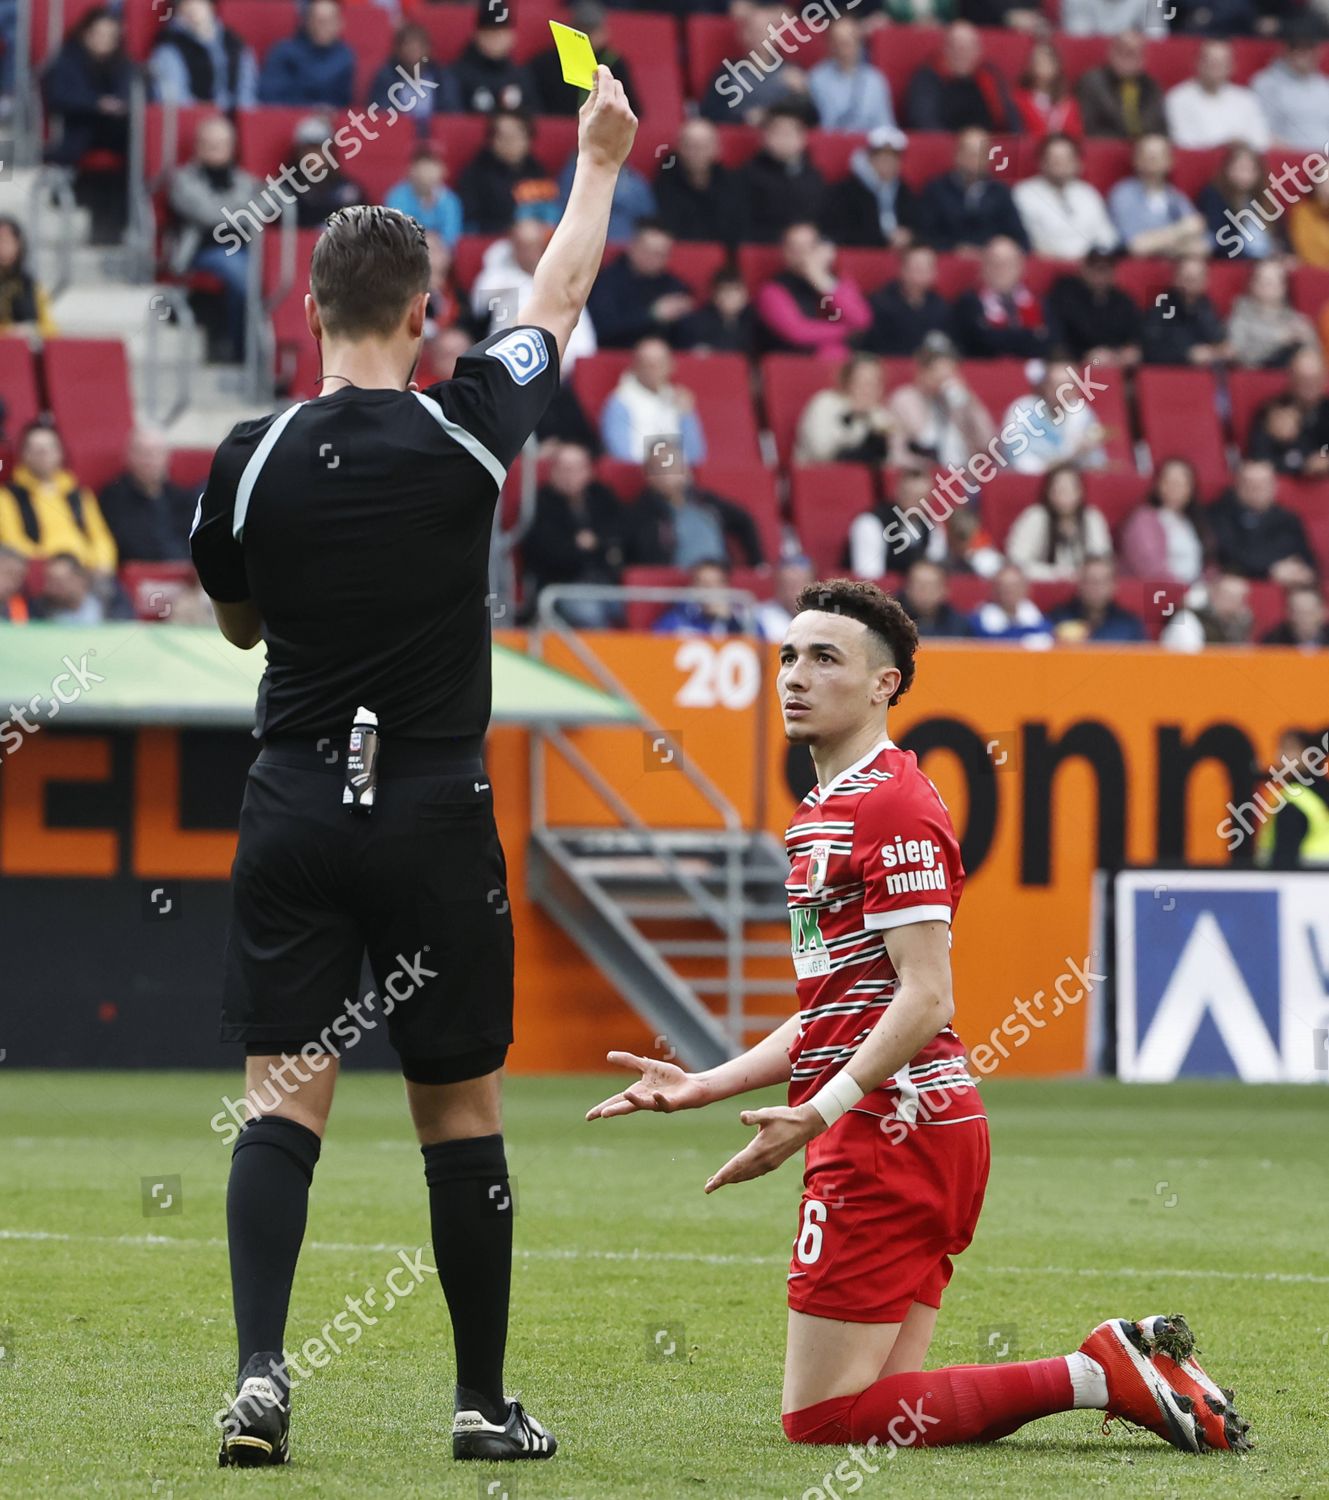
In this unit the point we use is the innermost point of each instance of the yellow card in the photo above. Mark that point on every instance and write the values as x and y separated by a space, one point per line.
576 54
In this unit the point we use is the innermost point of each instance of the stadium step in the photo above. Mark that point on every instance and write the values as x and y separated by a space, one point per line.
644 905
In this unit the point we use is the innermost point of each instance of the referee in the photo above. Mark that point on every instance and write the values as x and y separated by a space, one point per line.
351 534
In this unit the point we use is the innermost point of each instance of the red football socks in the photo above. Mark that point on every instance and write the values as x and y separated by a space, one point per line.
934 1408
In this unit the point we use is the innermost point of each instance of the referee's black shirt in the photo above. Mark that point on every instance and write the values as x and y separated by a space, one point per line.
359 524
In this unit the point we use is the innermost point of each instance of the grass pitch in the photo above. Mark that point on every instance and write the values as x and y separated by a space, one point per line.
648 1320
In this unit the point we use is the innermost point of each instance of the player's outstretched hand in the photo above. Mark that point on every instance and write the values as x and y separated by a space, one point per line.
606 126
781 1132
663 1086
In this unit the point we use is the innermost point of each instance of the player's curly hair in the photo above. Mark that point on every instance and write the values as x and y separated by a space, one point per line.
883 615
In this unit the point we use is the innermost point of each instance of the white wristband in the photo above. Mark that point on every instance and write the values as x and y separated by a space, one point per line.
840 1094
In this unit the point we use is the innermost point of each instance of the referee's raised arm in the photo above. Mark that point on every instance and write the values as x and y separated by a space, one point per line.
606 128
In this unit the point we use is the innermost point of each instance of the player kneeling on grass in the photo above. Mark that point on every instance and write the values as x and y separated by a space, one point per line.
880 1100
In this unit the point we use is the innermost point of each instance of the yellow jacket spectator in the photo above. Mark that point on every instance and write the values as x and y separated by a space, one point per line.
44 510
23 303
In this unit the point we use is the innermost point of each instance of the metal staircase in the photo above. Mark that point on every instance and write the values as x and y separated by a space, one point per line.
689 924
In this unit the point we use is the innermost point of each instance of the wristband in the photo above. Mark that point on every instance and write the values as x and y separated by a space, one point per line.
837 1096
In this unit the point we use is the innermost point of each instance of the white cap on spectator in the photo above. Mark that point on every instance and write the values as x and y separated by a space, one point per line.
887 135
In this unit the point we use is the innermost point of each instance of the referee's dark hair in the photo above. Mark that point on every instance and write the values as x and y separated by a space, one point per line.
366 267
881 612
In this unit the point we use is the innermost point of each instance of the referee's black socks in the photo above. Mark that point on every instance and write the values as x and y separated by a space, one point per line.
470 1218
267 1203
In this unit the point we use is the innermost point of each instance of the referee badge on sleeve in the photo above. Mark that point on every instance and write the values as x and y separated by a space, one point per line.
522 353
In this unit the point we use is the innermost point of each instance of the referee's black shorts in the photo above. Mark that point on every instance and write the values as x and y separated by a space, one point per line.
419 883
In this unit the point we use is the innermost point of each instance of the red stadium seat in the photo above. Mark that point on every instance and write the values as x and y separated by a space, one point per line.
713 39
868 268
152 585
1145 278
696 262
1048 595
1003 499
1317 529
967 591
650 44
928 154
87 381
757 264
1266 602
168 135
824 500
1310 291
261 22
738 143
1116 495
1040 272
18 387
624 479
1227 281
369 35
788 382
1105 162
899 51
555 142
1079 54
1171 59
830 152
642 614
1194 170
190 467
1250 54
956 274
459 137
1248 390
751 486
1179 419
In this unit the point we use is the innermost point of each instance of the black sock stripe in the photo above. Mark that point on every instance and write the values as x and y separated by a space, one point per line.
473 1156
296 1140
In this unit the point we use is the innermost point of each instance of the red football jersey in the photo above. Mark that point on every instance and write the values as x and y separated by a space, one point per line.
873 850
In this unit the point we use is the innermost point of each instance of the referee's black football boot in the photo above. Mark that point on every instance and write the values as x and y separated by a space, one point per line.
521 1436
257 1428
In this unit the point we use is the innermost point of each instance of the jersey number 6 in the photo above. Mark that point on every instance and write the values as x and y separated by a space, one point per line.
808 1248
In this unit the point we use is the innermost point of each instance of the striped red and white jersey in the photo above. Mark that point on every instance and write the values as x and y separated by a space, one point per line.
874 850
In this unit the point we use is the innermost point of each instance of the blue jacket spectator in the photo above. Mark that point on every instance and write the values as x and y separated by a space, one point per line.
200 61
647 412
1011 615
425 197
393 85
633 200
849 93
638 295
86 85
967 206
315 66
1094 615
1151 216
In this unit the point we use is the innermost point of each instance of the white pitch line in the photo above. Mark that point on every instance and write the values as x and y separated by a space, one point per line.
689 1257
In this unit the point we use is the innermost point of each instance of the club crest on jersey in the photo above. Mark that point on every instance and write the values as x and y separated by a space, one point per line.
818 863
522 353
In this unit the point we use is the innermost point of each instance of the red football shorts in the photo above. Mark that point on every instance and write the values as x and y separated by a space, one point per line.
881 1216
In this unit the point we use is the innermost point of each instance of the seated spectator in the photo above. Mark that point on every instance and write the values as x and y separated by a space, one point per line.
967 208
1210 110
200 195
1001 316
1275 436
444 305
633 200
14 607
1150 215
1234 226
1094 614
697 197
966 547
24 307
807 308
1308 227
315 66
440 353
1094 318
554 95
755 76
850 421
315 160
674 524
149 516
505 281
1264 330
906 310
938 419
779 186
925 599
638 295
424 195
873 205
1119 98
1306 388
960 91
1183 327
197 60
1292 90
714 616
1166 536
900 528
45 511
488 78
1254 536
1054 423
1052 538
67 596
646 410
726 324
86 90
1011 615
1217 613
1305 623
437 93
846 90
774 616
576 536
1043 96
1064 216
504 182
